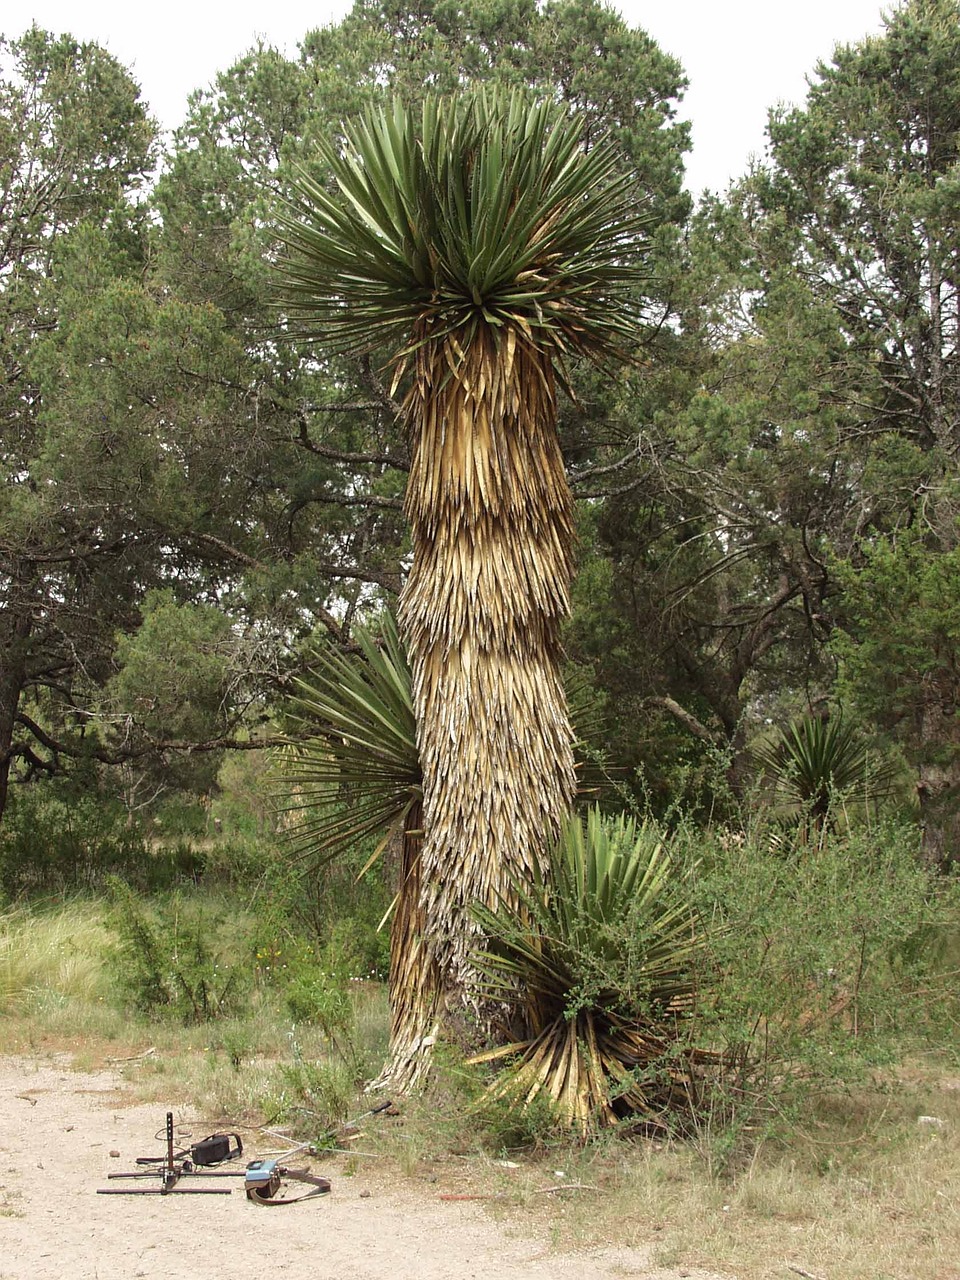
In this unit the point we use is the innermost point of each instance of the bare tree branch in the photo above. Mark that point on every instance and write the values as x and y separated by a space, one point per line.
346 456
681 714
618 465
378 389
87 750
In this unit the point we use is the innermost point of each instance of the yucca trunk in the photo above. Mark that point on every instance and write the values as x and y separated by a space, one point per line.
414 978
490 512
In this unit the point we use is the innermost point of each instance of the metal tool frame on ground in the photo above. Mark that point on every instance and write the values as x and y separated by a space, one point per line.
262 1178
170 1171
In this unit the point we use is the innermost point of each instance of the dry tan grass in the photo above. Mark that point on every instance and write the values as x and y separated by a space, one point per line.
861 1191
864 1192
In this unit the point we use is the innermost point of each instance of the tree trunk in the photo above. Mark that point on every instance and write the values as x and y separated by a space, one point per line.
13 670
491 519
938 786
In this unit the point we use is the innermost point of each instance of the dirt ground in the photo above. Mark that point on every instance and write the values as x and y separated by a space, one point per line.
59 1130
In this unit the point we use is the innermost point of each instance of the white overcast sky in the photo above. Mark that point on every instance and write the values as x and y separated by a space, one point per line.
740 56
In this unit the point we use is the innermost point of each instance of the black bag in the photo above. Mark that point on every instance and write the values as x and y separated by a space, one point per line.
216 1149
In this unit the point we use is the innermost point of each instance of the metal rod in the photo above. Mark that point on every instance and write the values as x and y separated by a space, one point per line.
195 1173
159 1191
172 1173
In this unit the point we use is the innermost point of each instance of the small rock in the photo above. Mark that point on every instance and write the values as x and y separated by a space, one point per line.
114 1153
364 1195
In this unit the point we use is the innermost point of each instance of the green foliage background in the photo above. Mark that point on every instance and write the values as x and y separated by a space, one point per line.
768 515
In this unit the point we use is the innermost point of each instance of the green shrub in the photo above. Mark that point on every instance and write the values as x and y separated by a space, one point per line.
332 907
831 961
60 837
170 961
320 999
317 1095
56 837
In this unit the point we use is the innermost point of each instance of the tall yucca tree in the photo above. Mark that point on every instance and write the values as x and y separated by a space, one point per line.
478 243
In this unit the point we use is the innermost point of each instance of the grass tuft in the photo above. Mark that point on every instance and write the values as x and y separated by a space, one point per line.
53 954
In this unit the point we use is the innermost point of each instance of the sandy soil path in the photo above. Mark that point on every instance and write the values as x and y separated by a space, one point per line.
58 1128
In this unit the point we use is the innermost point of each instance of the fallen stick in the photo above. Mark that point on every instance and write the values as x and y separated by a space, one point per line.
566 1186
489 1195
807 1275
134 1057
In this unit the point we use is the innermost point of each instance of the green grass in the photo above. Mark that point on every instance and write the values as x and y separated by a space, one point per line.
63 987
53 956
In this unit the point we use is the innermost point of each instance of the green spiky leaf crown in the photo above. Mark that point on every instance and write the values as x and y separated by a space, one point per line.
479 211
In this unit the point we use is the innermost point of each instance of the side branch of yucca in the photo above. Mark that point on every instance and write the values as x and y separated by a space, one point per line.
490 511
415 985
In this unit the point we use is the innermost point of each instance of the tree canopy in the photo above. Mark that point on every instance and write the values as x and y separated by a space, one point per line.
767 495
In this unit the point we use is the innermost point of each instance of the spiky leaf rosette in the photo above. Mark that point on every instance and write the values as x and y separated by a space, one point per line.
483 212
359 775
816 763
358 772
598 958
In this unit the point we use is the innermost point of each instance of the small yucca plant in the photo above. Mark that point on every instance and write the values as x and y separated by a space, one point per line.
597 961
815 763
359 775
